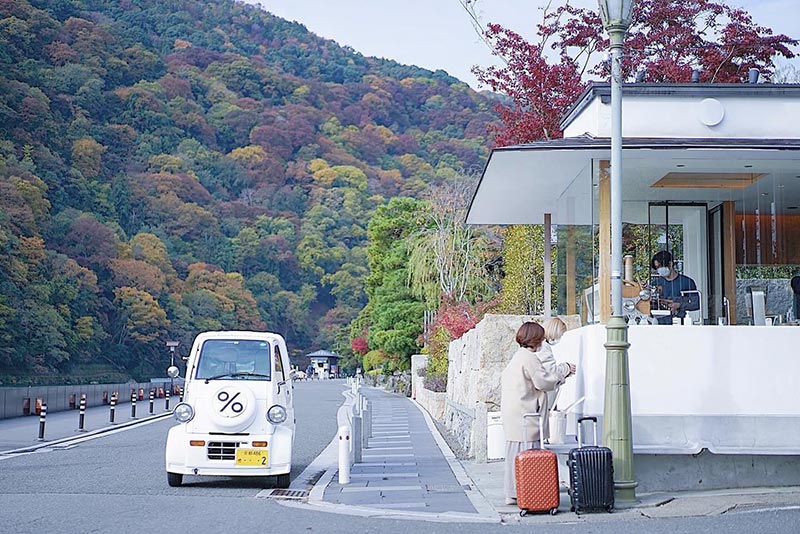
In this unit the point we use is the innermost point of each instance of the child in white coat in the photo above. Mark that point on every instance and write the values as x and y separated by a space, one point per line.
554 328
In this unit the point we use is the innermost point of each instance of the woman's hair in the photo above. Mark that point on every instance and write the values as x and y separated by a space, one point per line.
663 258
554 328
530 335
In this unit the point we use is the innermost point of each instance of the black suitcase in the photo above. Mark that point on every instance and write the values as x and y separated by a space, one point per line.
591 475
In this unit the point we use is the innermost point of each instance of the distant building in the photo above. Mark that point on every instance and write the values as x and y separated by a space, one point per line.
325 363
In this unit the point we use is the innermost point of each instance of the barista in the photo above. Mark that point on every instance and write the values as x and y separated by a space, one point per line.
670 284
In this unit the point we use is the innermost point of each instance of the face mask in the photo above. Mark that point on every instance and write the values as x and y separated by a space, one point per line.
662 271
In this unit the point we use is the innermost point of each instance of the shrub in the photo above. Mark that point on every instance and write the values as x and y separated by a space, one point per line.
360 346
453 320
436 382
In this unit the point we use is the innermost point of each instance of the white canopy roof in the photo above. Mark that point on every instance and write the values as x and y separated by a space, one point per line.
521 183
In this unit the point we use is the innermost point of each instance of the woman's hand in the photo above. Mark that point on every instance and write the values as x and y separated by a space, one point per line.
572 369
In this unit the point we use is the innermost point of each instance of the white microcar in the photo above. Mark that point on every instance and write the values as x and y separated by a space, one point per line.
237 416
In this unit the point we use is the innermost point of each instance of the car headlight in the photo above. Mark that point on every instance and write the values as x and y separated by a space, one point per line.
183 412
276 414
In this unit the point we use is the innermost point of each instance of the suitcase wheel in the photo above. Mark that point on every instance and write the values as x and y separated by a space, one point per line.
553 511
523 513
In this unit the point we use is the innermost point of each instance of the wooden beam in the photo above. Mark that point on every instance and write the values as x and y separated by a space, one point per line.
604 267
548 291
569 271
729 256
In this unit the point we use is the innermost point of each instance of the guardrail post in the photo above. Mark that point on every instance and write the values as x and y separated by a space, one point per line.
357 439
133 404
42 418
82 416
152 397
113 407
366 421
344 454
166 399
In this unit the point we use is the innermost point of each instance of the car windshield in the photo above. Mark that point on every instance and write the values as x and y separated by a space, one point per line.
234 359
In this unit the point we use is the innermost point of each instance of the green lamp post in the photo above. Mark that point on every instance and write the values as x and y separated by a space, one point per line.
617 431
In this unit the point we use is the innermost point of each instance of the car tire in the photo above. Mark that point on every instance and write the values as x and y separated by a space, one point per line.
174 479
282 481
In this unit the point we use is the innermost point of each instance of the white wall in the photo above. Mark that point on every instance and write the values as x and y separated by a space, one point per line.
680 117
725 388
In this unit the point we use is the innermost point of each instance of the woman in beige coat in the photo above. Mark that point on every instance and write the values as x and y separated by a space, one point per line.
524 386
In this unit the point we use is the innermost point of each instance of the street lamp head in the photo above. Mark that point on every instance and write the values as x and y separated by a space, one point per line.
616 14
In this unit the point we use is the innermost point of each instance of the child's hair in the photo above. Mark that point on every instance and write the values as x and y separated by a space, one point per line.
554 328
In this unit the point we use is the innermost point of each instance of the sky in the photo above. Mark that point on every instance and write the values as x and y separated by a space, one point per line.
438 34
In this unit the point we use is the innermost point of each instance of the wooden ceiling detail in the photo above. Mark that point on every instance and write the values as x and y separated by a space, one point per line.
708 180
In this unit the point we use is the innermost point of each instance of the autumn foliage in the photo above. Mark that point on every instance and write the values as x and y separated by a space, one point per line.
666 39
173 167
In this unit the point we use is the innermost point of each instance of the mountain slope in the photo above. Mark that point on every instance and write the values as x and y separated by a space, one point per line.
171 167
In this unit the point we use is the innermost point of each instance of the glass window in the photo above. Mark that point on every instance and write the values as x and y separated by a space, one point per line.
767 247
246 359
279 364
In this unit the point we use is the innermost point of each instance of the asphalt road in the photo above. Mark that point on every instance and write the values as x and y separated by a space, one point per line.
116 483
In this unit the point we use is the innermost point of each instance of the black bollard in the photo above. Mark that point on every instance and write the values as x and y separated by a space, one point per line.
152 396
113 407
180 390
82 416
133 404
166 400
42 417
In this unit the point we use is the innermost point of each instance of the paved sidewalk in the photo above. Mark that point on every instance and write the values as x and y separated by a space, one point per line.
409 472
488 479
404 468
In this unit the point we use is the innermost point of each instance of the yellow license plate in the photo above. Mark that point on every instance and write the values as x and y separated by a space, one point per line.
258 457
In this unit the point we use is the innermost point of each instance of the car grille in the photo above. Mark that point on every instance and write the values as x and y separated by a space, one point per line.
222 450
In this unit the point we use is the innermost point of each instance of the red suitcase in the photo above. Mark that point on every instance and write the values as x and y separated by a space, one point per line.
536 473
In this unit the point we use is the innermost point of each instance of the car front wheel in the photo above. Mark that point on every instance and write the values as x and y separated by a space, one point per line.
174 479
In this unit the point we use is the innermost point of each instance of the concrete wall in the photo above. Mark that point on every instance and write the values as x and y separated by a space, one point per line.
434 402
58 397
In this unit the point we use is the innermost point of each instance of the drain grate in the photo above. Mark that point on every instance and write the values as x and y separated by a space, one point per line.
447 488
288 494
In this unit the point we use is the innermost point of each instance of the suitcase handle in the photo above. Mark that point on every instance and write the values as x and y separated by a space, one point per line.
526 415
580 427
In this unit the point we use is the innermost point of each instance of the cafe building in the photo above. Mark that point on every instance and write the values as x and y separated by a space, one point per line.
711 174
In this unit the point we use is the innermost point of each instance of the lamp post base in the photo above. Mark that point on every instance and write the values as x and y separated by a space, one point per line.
617 427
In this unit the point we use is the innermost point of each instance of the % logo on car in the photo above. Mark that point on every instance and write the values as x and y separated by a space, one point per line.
230 403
